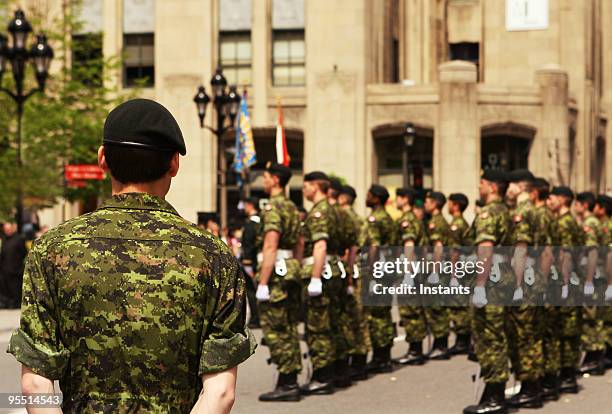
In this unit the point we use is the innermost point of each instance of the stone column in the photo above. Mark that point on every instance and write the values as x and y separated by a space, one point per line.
260 46
553 159
112 43
457 138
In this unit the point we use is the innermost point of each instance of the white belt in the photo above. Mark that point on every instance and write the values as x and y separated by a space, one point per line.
280 254
310 259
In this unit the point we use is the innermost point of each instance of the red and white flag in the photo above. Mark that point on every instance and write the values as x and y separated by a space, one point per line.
282 155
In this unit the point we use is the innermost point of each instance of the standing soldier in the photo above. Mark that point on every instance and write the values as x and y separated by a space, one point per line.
249 255
593 340
439 237
566 236
460 238
131 307
412 317
325 339
379 232
280 287
358 320
492 228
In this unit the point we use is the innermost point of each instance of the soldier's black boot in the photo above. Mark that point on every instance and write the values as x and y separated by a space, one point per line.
342 376
381 361
530 396
462 345
593 364
550 387
491 402
358 370
321 383
286 389
568 381
414 356
440 349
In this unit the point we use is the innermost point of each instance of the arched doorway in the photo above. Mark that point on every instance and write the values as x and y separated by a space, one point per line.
505 146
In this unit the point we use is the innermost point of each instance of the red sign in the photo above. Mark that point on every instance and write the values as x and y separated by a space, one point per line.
83 172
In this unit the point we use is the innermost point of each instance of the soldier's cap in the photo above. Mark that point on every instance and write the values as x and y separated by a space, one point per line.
495 176
335 184
437 196
418 203
348 190
562 191
541 182
603 200
315 176
279 170
251 200
459 198
145 124
380 192
517 176
405 192
586 196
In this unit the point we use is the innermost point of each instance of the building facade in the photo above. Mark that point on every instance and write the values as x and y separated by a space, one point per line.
487 84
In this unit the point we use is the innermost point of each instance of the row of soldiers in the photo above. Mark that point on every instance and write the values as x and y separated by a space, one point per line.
314 264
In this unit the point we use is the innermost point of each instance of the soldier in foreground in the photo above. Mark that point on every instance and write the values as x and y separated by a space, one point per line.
279 288
132 308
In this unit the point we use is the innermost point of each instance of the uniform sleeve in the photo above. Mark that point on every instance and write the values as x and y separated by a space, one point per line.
564 235
485 228
37 343
318 226
438 231
590 234
226 341
272 219
408 231
373 232
522 228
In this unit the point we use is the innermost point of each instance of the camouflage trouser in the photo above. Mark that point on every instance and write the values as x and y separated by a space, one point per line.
358 322
593 335
460 318
551 340
490 342
437 321
413 319
381 327
571 323
525 341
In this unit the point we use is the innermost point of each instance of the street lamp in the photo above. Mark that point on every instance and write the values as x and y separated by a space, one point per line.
409 136
18 55
226 104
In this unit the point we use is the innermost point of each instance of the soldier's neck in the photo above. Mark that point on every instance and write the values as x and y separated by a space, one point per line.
157 188
522 197
540 203
492 198
407 208
457 214
276 191
319 196
563 210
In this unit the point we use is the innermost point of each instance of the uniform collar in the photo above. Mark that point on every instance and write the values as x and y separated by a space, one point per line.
279 195
323 200
138 201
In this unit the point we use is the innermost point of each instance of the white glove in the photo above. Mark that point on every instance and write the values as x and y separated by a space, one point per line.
589 289
408 280
480 297
315 287
518 295
433 278
350 290
263 293
564 292
454 282
609 293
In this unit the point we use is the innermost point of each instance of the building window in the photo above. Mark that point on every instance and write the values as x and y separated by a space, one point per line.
139 60
288 58
235 57
468 51
87 60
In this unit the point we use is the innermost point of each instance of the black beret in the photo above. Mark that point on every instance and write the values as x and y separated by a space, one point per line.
251 200
586 196
380 192
521 175
602 200
496 176
316 175
541 182
142 123
459 198
405 192
437 196
279 170
562 191
335 184
348 190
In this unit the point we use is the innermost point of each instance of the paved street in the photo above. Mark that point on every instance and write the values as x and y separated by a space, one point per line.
436 388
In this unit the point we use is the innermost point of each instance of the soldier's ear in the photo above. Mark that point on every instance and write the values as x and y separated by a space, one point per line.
174 165
102 159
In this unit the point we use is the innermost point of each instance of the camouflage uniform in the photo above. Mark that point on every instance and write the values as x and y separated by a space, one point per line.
324 334
524 333
437 316
128 306
280 315
488 323
460 235
379 231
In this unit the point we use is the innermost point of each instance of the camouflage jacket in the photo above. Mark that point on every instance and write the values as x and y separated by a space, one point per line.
544 227
608 231
128 306
493 224
348 235
523 223
566 232
438 230
411 229
593 233
358 223
281 215
380 228
321 224
460 232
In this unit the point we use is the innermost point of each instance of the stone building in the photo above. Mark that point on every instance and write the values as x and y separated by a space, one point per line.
487 83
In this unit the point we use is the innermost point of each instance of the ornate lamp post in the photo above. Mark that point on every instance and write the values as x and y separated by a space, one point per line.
17 54
226 104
